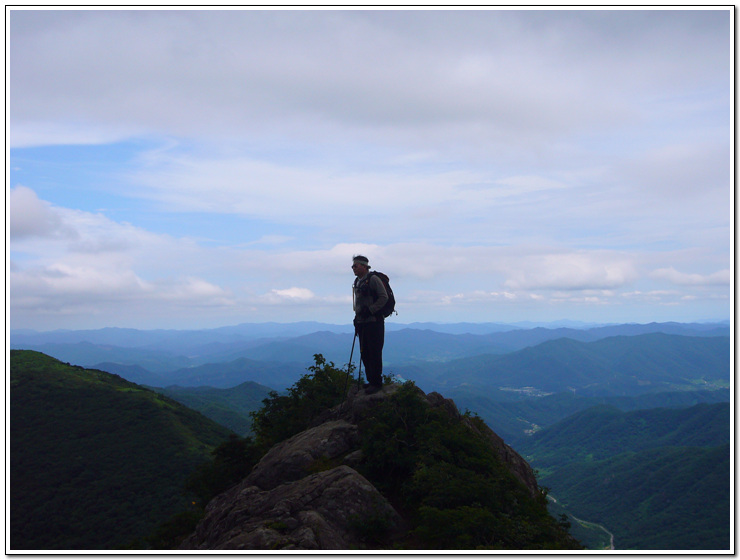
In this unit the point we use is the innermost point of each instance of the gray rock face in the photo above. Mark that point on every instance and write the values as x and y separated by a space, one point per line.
292 459
323 511
304 494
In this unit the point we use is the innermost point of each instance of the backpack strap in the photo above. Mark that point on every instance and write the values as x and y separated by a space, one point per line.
373 293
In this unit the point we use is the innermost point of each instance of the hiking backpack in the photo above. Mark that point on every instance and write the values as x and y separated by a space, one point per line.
390 305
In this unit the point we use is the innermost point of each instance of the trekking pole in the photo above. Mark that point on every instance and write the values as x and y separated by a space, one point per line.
359 372
349 365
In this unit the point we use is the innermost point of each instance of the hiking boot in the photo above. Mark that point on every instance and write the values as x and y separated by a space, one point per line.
372 389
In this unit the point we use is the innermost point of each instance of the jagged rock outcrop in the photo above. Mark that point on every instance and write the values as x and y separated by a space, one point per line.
291 459
305 494
321 511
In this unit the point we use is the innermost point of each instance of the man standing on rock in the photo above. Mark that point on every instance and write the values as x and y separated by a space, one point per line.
369 297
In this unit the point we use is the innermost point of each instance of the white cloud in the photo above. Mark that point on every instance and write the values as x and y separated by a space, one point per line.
296 116
64 295
302 194
290 294
271 240
97 264
32 217
301 299
577 271
194 291
675 173
652 296
478 296
478 79
77 282
671 275
111 265
46 133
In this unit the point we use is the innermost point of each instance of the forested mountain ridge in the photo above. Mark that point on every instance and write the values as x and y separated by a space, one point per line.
228 407
516 415
603 431
666 498
164 352
622 365
95 461
513 336
657 478
611 366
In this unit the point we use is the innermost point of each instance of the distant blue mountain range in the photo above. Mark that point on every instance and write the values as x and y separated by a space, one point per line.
436 356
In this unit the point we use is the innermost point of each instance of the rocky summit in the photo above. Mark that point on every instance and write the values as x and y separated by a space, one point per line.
308 493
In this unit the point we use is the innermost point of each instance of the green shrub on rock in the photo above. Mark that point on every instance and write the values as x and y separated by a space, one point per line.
283 416
448 480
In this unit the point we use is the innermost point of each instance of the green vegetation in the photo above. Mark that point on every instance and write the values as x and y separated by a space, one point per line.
229 407
95 461
280 417
590 535
620 365
283 416
603 431
232 461
443 476
449 482
658 479
513 417
673 498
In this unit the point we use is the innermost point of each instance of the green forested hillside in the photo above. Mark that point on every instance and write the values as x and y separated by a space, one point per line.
604 431
228 407
616 366
656 478
515 417
95 461
225 375
670 498
88 354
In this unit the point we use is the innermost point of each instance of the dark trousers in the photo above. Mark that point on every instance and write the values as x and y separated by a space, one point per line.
372 338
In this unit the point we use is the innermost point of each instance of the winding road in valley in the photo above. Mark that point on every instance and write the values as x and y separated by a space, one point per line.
611 535
592 524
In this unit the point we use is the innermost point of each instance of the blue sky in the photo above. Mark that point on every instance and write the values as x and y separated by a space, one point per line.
199 168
